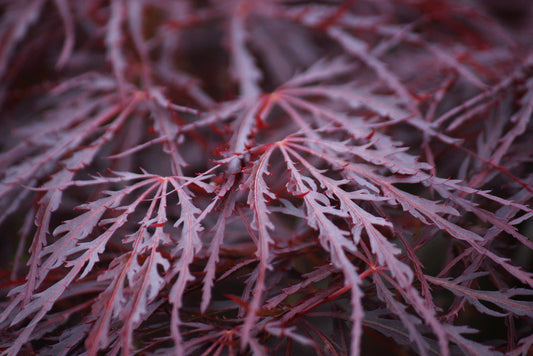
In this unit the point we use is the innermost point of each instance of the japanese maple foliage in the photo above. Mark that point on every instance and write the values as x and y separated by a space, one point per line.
266 177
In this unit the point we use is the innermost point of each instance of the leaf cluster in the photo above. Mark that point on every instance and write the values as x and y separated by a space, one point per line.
265 177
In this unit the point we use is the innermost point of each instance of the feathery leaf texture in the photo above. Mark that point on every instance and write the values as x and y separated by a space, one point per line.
266 177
